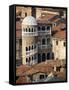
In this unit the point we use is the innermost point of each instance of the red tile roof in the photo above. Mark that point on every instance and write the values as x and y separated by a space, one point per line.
45 18
21 79
60 31
21 69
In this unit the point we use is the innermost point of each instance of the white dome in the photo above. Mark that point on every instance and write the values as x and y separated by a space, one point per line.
29 20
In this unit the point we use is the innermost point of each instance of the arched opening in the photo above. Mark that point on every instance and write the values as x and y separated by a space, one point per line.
32 47
43 41
48 41
43 28
39 58
43 57
29 48
29 29
32 30
48 27
26 48
48 56
38 28
26 29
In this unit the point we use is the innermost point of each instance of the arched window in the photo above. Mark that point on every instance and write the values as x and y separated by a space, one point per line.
48 41
29 59
29 29
38 28
26 59
26 29
32 29
56 42
29 48
43 41
32 57
26 48
48 27
32 46
43 57
39 58
48 56
43 28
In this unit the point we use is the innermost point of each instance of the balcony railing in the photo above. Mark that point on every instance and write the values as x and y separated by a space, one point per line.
41 33
44 46
31 52
30 33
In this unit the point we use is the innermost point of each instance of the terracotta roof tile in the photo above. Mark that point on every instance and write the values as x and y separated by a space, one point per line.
21 69
45 18
21 80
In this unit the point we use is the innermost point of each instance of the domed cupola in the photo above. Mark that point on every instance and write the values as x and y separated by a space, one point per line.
29 20
29 26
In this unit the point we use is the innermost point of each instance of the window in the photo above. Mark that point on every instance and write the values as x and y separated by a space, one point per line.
56 42
25 14
41 76
29 48
46 76
43 27
48 56
38 28
43 41
26 29
39 58
29 29
32 46
26 59
32 57
48 27
26 48
29 59
48 41
57 68
32 29
64 44
43 57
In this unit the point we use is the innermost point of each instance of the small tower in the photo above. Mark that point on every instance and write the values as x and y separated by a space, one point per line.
29 41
